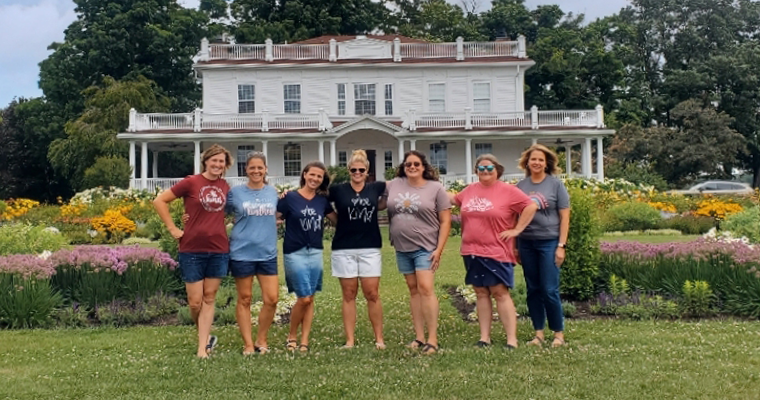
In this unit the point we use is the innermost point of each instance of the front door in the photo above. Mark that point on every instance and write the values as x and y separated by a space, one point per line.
371 157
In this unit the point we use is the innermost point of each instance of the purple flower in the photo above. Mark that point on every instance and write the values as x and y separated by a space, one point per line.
27 265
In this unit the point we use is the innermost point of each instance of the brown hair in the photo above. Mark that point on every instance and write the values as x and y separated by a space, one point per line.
257 155
359 156
216 149
428 173
551 159
495 161
322 189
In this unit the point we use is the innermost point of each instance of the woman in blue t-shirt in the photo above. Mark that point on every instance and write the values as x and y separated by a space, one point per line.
253 250
304 211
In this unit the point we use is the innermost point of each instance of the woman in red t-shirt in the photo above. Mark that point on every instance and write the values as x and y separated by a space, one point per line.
203 245
493 214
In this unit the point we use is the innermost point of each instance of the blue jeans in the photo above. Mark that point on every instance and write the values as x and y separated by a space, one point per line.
542 282
411 261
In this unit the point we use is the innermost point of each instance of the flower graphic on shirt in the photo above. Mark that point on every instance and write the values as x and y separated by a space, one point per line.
477 204
408 203
212 198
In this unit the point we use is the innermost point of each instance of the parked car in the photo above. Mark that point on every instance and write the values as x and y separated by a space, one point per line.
717 187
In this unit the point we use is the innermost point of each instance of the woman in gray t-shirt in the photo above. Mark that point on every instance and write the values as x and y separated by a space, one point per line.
541 246
420 221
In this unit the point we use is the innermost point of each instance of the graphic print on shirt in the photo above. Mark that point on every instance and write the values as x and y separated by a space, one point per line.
310 220
539 199
361 209
407 204
212 198
258 208
477 204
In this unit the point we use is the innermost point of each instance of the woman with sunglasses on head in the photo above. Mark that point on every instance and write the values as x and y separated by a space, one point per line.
203 246
420 221
304 211
493 214
542 245
356 246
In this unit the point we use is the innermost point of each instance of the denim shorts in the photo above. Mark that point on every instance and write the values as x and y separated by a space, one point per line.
196 267
303 271
412 261
243 269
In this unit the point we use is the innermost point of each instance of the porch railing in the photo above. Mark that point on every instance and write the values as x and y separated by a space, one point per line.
159 184
533 119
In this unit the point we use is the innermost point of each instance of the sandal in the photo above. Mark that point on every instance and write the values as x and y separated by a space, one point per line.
429 349
509 347
557 342
291 345
536 341
416 344
482 344
260 349
347 347
212 341
303 348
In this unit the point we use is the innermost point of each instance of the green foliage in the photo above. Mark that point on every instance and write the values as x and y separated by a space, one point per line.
569 309
338 174
697 298
108 171
631 216
29 239
26 302
3 206
638 174
125 313
745 223
618 287
72 316
688 224
581 264
390 173
144 279
637 307
166 241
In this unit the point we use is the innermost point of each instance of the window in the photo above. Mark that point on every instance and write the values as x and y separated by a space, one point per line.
483 148
437 97
246 99
439 157
341 99
292 159
481 97
388 159
242 156
388 99
342 159
292 96
364 99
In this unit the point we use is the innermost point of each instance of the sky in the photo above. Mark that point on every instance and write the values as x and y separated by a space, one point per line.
28 27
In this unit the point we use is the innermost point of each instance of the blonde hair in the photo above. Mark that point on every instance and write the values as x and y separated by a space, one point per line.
551 159
359 156
216 149
495 161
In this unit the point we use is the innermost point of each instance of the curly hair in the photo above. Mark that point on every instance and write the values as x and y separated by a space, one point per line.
428 173
322 189
551 159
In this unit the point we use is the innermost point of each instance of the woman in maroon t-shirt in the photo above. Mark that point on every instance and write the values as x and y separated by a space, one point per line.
203 245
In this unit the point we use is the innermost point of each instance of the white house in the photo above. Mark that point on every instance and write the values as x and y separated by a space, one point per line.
322 98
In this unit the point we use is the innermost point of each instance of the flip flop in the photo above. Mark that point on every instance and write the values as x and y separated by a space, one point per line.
429 349
415 344
536 341
557 342
212 341
303 348
291 345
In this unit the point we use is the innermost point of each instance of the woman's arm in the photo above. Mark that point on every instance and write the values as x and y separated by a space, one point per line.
525 217
564 228
161 204
444 217
333 218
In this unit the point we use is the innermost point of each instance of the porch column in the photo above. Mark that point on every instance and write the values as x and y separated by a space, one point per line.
401 150
132 158
197 157
533 141
321 151
587 158
144 165
468 159
155 164
568 160
412 144
333 152
600 158
264 148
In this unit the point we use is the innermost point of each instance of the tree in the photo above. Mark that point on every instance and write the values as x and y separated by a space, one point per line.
108 171
93 134
437 20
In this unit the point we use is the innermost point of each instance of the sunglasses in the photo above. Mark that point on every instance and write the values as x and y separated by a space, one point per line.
484 168
359 170
416 164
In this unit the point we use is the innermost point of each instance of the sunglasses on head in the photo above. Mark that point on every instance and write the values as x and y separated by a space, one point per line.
484 168
359 170
412 163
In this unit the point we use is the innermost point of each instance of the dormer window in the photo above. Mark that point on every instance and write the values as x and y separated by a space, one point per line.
364 99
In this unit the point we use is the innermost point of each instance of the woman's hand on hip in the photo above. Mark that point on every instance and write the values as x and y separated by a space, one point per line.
559 256
177 233
509 234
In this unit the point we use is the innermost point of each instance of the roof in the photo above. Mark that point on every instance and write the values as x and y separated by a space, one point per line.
325 39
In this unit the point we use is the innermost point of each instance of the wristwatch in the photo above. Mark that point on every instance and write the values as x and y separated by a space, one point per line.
561 245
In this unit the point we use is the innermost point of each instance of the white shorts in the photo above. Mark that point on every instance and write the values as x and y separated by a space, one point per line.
356 263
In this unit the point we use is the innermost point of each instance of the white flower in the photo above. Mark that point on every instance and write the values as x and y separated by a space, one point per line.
52 229
92 232
45 254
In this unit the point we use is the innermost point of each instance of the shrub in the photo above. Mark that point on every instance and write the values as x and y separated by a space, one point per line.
15 208
697 298
717 208
3 207
72 316
688 224
637 306
26 302
745 223
631 216
107 172
167 243
582 261
569 309
124 313
28 239
390 173
637 174
338 174
135 241
113 226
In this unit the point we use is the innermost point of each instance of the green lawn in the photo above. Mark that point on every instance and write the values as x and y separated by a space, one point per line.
604 359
